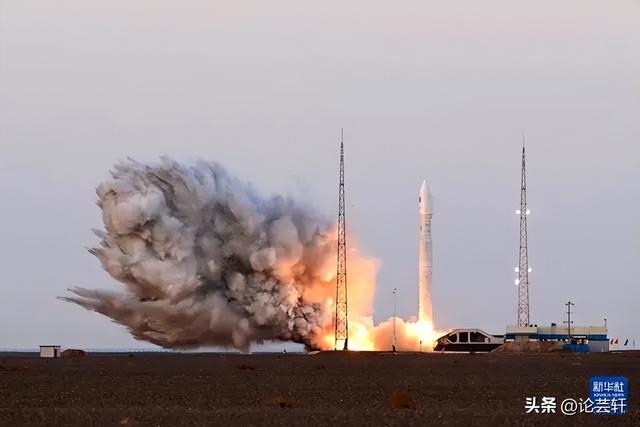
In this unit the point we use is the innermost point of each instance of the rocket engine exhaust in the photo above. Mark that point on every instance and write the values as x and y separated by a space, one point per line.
207 261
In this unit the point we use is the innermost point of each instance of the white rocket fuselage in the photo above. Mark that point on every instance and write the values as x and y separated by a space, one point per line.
425 308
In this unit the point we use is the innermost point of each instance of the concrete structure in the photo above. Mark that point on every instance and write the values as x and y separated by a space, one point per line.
425 260
595 337
50 351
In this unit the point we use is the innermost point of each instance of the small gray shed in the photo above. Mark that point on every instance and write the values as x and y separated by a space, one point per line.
49 351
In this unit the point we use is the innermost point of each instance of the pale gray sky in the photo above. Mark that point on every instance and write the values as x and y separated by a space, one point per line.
424 89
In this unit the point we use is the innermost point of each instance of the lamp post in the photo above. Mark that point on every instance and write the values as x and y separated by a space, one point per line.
568 321
395 315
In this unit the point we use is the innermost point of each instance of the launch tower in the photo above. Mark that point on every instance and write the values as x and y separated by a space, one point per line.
523 269
341 321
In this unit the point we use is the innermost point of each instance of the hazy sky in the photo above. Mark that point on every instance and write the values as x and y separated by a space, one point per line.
424 89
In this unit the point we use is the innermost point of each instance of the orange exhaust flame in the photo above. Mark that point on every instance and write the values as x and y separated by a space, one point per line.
364 335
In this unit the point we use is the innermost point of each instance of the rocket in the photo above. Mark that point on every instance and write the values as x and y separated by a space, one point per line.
425 260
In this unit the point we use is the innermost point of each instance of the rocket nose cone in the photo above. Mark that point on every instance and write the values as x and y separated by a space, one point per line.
425 198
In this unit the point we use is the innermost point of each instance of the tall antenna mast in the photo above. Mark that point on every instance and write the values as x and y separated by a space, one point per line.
342 323
569 321
523 268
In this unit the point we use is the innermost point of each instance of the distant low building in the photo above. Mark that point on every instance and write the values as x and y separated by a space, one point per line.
50 351
594 337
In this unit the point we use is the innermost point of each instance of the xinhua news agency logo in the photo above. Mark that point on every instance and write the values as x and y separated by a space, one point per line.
607 396
610 394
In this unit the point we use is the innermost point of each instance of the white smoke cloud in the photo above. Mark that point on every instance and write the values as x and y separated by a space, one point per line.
207 261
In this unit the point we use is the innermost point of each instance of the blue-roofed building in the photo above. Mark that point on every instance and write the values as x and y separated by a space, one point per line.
594 337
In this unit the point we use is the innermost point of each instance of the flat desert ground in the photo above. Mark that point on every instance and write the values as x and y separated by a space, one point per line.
301 390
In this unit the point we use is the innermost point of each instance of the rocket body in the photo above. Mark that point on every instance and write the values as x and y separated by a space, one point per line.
425 260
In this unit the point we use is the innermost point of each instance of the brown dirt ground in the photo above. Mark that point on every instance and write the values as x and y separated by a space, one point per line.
323 389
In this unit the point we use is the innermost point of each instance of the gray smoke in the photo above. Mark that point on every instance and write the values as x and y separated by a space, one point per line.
207 261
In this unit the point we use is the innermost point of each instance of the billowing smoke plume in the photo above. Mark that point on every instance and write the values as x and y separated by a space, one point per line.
207 261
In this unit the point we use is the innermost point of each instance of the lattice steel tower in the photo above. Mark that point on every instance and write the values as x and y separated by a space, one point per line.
523 268
341 321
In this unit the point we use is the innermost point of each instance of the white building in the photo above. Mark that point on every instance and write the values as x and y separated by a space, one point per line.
594 337
49 351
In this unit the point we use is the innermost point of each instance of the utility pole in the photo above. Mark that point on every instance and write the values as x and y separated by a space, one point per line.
569 321
395 315
342 320
523 269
